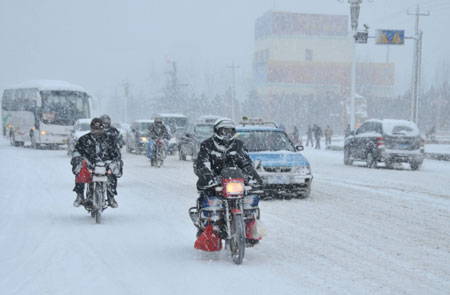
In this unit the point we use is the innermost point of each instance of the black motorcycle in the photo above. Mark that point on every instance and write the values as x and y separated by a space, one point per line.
230 208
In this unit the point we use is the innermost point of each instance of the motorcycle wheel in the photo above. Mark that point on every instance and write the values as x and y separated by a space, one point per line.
237 242
99 203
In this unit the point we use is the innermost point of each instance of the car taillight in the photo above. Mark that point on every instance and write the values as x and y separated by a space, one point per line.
380 141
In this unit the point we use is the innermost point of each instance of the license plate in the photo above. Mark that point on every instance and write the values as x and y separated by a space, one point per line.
278 179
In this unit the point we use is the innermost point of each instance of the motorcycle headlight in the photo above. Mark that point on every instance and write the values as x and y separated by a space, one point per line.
144 139
234 188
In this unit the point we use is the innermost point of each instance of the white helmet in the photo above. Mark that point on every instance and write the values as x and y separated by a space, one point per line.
224 130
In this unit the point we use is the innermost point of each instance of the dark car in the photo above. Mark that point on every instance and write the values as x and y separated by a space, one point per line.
388 141
189 142
137 136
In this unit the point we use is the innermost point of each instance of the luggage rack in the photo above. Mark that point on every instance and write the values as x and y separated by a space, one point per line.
256 121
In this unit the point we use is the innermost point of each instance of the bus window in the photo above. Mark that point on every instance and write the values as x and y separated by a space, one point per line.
64 107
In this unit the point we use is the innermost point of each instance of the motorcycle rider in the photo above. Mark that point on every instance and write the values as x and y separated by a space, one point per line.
219 151
156 130
115 137
93 147
111 131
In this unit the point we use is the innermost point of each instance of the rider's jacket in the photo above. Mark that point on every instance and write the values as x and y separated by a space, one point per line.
96 149
114 134
158 131
213 157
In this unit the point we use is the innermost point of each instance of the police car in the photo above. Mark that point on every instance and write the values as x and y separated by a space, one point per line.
286 173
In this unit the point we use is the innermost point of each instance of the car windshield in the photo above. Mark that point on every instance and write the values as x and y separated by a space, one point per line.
84 127
64 107
143 126
267 140
204 129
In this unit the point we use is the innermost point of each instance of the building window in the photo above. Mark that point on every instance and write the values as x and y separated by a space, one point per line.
308 55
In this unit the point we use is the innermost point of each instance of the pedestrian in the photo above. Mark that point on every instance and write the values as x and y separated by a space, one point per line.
309 138
317 135
328 134
295 135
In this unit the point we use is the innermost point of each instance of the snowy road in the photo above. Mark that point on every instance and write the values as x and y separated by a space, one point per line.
362 231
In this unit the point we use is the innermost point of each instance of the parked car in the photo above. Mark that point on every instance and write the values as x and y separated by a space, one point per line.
80 128
285 172
137 136
385 141
189 143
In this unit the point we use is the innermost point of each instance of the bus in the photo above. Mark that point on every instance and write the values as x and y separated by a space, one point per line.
42 112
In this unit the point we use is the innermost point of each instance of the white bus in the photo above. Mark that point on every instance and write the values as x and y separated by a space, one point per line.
43 112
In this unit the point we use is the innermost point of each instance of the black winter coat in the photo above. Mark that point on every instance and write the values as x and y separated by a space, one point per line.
114 135
96 149
213 157
158 131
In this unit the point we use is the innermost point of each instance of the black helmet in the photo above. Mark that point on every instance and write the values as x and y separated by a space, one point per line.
158 119
224 131
97 125
106 121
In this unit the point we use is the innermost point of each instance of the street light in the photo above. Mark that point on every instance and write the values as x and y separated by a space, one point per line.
354 14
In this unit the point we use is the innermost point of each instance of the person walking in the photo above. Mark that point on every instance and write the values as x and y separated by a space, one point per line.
317 135
328 134
296 135
309 138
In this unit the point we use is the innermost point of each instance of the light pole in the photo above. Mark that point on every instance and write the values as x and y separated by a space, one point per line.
354 14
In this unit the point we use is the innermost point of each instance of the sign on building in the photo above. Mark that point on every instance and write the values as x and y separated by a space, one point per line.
390 37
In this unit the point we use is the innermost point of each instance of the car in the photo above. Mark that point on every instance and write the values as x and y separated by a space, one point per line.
80 128
137 136
123 128
189 142
285 172
385 141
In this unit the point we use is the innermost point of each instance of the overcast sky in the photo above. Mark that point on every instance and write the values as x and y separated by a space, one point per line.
100 44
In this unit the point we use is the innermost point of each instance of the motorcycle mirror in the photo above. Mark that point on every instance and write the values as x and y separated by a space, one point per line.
299 148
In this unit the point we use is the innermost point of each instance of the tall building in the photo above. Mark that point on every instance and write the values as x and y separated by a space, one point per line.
310 55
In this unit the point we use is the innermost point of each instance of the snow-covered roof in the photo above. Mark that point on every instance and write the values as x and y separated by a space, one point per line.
48 85
144 121
81 121
170 115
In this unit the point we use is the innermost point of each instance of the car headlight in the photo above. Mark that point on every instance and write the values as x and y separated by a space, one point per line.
302 170
144 139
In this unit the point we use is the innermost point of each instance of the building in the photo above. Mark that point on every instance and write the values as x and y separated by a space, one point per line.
310 55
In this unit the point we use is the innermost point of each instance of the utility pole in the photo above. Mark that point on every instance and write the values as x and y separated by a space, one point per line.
233 94
354 14
416 77
126 87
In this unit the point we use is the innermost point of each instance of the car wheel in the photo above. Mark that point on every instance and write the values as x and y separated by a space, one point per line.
414 166
389 164
347 157
371 161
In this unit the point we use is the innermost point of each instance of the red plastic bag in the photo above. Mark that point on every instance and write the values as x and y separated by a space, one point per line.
84 176
208 241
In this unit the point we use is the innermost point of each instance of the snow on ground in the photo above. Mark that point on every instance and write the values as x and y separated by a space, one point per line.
362 231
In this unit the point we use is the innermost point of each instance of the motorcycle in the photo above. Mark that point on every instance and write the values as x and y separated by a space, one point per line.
230 214
96 192
159 153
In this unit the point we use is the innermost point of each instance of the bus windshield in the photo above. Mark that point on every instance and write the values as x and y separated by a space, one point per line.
64 107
